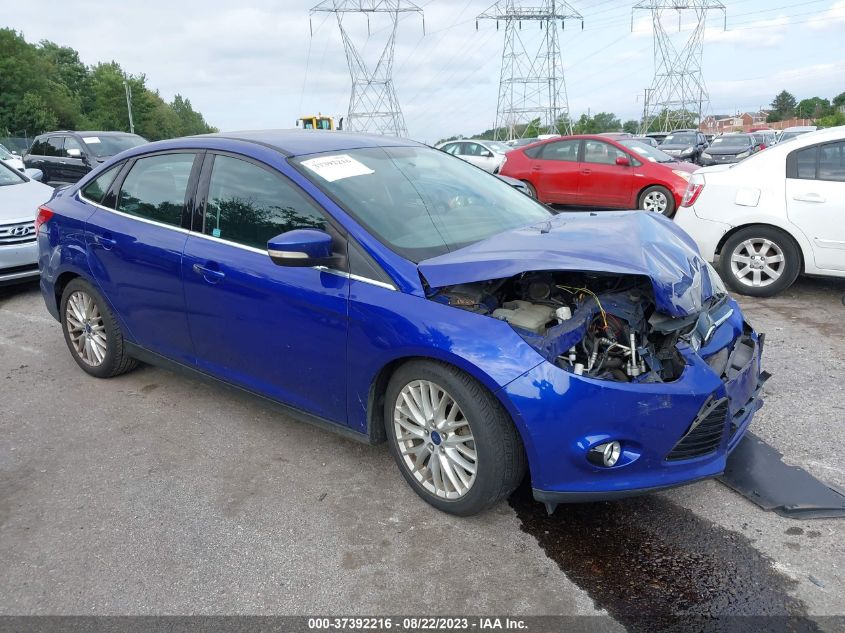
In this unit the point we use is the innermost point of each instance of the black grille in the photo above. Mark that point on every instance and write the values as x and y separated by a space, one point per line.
704 434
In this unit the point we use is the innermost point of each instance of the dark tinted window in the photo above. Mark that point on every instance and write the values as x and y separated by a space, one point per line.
96 189
155 188
805 162
39 147
560 150
832 161
249 205
55 146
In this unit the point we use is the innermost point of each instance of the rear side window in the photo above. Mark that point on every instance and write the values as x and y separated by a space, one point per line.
39 147
155 188
250 205
832 162
819 162
560 150
96 189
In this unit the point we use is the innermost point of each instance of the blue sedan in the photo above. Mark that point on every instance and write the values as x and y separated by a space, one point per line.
391 292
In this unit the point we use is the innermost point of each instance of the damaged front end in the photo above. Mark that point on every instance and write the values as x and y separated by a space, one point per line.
603 326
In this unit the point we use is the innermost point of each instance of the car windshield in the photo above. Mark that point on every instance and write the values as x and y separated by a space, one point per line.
498 147
420 202
731 141
5 154
9 176
648 152
111 144
679 139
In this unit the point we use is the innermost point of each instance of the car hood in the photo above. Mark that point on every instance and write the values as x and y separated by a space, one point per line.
21 202
681 166
627 242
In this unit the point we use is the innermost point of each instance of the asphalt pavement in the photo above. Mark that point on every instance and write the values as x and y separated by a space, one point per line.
153 493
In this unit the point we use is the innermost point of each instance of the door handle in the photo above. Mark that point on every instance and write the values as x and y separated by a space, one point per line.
586 171
209 274
808 197
536 168
106 241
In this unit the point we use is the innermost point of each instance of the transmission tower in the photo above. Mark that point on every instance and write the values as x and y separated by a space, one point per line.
531 84
678 89
373 106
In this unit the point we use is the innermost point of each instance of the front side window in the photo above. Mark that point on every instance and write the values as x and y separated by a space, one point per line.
72 144
96 189
601 153
250 205
417 201
155 188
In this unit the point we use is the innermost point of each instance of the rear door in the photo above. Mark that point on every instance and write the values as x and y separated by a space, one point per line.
555 171
602 182
815 200
276 330
135 250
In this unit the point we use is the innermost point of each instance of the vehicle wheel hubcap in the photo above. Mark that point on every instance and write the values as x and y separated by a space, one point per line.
435 439
655 201
86 328
757 262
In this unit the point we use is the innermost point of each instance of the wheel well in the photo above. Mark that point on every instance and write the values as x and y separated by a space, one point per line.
61 283
728 235
654 184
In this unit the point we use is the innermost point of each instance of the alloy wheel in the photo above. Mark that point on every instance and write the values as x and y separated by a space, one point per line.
435 439
655 201
757 262
86 328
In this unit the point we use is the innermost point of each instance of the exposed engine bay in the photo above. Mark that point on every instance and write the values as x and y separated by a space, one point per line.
598 325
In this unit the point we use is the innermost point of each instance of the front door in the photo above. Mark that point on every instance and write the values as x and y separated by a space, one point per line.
602 182
76 163
815 200
135 253
278 331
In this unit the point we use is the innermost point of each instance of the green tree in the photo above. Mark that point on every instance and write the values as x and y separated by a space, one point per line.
33 115
839 100
631 126
600 122
832 120
783 105
813 108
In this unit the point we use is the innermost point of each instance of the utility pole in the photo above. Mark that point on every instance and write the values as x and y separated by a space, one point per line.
373 105
531 84
128 90
678 85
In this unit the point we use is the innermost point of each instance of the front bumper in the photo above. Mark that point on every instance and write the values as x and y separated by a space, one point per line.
562 416
18 262
718 160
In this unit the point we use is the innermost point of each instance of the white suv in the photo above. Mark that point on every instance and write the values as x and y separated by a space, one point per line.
773 216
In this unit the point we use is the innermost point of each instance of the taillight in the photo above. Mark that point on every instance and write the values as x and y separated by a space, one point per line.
694 189
44 215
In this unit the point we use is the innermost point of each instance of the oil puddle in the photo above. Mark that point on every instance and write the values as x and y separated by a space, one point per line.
656 566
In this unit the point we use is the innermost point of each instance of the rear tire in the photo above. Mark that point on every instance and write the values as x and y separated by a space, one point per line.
657 199
453 442
759 261
92 332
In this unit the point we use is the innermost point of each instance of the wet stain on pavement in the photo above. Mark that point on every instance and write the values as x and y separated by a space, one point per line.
656 566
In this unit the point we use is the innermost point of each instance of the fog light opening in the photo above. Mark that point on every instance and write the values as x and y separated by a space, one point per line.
606 454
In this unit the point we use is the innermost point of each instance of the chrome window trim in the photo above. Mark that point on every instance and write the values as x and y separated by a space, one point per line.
220 240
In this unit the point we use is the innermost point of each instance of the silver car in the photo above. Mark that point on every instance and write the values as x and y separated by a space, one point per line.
489 155
20 196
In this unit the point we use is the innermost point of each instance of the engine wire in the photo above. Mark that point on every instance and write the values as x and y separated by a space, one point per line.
572 290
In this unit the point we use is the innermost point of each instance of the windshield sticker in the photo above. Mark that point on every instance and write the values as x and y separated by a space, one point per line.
91 139
337 167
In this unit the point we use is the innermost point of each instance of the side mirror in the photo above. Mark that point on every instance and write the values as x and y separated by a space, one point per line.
488 154
74 153
34 174
301 247
623 161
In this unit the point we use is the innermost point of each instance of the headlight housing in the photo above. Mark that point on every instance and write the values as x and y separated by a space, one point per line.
706 155
688 151
744 154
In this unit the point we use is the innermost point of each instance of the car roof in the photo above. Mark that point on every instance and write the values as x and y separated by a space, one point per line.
89 133
801 128
296 142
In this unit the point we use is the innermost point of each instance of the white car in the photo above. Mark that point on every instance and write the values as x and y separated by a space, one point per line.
489 155
10 159
20 196
775 215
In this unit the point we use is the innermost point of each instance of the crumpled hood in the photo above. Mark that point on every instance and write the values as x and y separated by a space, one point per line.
626 242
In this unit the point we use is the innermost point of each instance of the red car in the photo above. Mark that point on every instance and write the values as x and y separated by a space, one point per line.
596 171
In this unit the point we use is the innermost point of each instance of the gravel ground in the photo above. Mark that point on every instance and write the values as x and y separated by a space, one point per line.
153 493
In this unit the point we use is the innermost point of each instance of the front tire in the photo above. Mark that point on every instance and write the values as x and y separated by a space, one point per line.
453 442
92 332
657 199
759 261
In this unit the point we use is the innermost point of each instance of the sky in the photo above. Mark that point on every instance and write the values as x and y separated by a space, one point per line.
257 64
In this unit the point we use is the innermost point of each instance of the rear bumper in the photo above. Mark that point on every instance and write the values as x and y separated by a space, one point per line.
18 262
706 233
